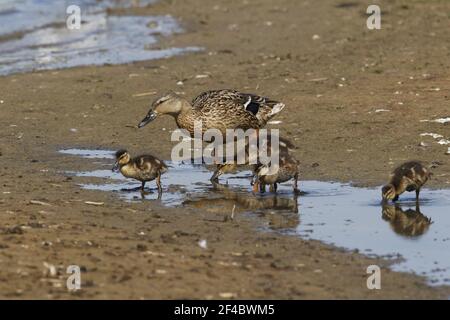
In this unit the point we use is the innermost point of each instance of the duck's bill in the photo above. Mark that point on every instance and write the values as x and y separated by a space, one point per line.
115 167
148 118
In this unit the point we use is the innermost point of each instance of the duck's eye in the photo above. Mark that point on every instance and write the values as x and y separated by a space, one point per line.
161 100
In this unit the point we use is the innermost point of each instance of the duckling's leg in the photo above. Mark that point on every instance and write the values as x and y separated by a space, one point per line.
158 183
262 188
296 189
273 187
216 174
143 186
418 207
417 194
255 185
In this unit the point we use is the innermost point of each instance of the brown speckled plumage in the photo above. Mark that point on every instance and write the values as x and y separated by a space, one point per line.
216 109
283 148
143 168
288 170
410 176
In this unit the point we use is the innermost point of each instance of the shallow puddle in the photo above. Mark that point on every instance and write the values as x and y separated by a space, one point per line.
334 213
34 35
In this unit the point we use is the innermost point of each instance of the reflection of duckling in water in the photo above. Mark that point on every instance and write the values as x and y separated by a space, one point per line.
282 212
249 201
287 170
409 176
409 223
143 168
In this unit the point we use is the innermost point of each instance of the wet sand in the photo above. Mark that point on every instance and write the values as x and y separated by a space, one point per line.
335 88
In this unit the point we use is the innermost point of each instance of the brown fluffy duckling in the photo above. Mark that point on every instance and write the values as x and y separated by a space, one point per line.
232 167
287 170
410 176
216 109
143 168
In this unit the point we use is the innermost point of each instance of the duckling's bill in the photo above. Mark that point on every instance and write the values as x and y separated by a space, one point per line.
115 167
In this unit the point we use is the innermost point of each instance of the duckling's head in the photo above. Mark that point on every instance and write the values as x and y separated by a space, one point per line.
170 103
388 192
223 169
122 158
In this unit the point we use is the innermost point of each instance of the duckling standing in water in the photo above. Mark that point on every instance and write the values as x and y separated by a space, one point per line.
284 146
216 109
143 168
409 176
287 170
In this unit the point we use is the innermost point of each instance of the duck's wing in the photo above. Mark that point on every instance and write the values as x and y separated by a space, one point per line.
261 108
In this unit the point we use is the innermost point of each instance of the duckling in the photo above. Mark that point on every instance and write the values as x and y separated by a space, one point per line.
287 170
216 109
143 168
409 176
231 167
410 223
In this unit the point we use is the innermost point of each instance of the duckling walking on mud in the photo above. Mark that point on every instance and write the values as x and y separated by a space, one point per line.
410 176
217 109
143 168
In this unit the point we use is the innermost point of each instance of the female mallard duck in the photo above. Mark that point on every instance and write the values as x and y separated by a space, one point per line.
287 170
143 168
217 109
284 146
409 176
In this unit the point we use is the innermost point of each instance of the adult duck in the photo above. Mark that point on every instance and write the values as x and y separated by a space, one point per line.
217 109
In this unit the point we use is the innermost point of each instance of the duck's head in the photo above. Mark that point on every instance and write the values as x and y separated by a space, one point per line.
388 192
170 104
122 158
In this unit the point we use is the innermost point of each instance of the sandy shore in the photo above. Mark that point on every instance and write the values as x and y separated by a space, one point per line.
334 76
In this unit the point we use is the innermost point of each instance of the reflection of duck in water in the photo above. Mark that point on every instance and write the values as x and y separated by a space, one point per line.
411 223
282 212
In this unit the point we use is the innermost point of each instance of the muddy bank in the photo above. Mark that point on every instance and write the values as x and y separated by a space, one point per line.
334 88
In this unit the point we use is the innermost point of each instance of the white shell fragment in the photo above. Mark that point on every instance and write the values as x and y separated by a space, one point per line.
203 244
